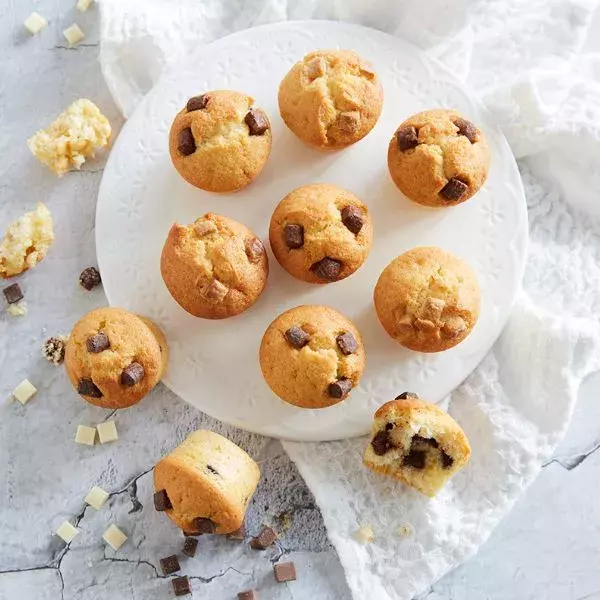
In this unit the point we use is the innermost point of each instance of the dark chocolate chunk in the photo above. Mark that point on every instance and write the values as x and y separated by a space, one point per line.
382 442
89 278
212 470
352 218
254 250
430 441
13 293
132 374
197 102
87 387
264 539
187 143
408 138
407 396
284 572
341 388
454 189
447 460
54 350
248 595
294 236
170 564
467 129
161 501
327 268
346 343
257 121
202 525
296 337
238 534
416 459
389 426
97 343
181 586
189 547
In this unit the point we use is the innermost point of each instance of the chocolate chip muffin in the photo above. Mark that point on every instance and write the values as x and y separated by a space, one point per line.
427 299
417 443
312 356
438 158
214 268
205 484
219 142
114 358
331 99
320 233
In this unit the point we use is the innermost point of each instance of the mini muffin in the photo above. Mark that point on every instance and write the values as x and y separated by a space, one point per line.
312 356
417 443
114 358
427 299
331 99
320 233
214 268
205 484
219 142
438 158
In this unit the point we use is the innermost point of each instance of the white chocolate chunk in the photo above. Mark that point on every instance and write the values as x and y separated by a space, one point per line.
73 34
24 391
107 432
96 497
83 5
18 309
35 23
114 537
364 534
85 435
67 532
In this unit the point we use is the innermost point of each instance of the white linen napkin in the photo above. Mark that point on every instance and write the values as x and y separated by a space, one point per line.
523 59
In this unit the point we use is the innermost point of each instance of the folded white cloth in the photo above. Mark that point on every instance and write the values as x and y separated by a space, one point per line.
523 59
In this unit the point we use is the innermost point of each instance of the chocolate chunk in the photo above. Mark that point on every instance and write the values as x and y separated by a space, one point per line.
257 121
382 442
202 525
341 388
408 138
132 374
346 343
87 387
97 343
215 291
407 396
54 350
352 218
238 534
189 547
212 470
454 189
13 293
89 278
187 143
389 426
181 586
294 236
447 460
170 564
349 121
161 501
285 572
264 539
247 595
429 441
467 129
327 268
254 250
296 337
197 102
416 459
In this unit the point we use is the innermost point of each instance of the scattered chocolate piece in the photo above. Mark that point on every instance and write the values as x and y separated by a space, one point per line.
238 534
416 459
408 138
187 143
181 586
346 343
87 387
382 442
254 250
13 293
132 374
97 343
170 564
407 396
161 501
327 268
341 388
264 539
294 236
203 525
284 572
197 102
352 218
429 441
454 189
389 426
54 349
296 337
467 129
189 547
256 121
248 595
90 278
447 460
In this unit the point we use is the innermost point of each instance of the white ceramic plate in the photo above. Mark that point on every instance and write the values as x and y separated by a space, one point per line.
214 364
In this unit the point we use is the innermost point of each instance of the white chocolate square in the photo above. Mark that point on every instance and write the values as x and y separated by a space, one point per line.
73 34
18 309
107 432
83 5
85 435
67 532
35 23
96 497
114 537
24 391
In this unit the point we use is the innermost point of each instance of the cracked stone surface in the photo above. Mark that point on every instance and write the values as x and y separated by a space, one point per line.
546 548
